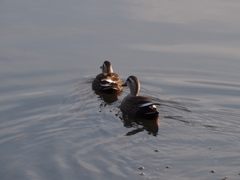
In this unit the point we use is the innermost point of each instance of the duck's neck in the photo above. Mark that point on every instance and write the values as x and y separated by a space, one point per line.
134 89
107 69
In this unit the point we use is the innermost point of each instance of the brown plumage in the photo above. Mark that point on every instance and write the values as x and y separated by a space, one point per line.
138 106
107 81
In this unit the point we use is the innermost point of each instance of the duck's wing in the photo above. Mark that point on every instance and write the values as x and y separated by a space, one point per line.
146 108
138 105
112 78
144 101
145 104
106 82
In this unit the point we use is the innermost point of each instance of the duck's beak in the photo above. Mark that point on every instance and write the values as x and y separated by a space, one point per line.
125 84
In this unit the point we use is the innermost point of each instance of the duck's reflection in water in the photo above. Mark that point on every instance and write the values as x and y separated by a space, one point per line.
151 126
108 97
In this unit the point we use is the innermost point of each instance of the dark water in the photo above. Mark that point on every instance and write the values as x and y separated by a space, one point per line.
186 55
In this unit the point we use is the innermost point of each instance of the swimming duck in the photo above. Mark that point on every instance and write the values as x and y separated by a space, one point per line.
107 81
138 106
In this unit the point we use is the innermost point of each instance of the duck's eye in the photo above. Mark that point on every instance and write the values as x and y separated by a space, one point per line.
130 79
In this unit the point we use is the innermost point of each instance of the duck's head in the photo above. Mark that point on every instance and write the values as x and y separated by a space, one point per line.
107 67
133 83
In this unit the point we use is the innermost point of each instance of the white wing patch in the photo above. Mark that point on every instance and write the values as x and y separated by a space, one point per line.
146 104
109 80
105 85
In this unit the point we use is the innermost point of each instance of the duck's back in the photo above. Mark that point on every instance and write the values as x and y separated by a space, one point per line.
139 106
107 82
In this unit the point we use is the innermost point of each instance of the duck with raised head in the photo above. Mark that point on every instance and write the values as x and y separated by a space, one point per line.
138 106
107 82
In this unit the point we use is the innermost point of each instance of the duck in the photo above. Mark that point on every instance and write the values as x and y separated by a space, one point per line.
107 82
138 106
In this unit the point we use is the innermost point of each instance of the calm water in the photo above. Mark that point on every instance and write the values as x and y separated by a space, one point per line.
186 55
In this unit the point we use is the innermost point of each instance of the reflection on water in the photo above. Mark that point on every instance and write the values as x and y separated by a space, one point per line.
99 117
108 97
54 126
151 126
89 135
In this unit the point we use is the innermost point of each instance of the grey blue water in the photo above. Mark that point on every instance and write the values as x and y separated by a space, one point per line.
186 56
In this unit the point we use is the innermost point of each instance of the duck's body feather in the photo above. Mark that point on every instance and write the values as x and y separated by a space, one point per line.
107 81
138 106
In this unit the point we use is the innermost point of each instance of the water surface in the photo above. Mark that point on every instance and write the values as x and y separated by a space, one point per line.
186 56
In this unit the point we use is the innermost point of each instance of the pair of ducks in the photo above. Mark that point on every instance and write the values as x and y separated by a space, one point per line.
132 105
